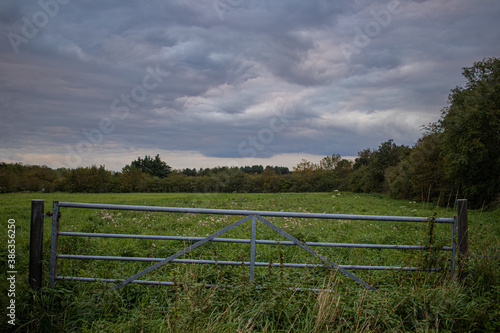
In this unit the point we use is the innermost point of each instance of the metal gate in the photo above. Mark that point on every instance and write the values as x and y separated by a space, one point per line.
248 216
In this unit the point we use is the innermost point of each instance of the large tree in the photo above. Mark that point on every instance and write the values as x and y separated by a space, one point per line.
153 167
470 128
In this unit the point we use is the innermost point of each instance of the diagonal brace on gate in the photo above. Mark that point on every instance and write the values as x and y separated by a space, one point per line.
182 252
252 264
314 253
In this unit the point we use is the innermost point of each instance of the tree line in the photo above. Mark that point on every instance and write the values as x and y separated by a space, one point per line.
139 177
459 155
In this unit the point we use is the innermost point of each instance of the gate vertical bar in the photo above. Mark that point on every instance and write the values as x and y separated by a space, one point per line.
463 227
36 244
252 247
462 233
54 244
453 246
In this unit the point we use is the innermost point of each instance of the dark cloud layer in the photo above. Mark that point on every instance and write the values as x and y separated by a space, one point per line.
96 82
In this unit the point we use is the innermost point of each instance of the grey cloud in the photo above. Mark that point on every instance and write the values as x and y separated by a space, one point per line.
10 11
230 73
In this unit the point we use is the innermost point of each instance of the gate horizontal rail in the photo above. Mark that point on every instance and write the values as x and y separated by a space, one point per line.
254 212
252 216
257 241
168 283
239 263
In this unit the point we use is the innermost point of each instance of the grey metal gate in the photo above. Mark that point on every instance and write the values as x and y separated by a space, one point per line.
249 215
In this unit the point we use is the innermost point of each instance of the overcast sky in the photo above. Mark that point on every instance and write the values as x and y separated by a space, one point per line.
228 82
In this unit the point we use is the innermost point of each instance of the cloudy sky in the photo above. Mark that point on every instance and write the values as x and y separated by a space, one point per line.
228 82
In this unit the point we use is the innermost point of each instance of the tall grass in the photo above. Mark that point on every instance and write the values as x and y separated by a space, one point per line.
404 302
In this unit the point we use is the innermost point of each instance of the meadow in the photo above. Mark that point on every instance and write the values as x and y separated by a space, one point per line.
404 301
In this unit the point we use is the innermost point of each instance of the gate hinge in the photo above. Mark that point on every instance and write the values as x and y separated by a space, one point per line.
49 214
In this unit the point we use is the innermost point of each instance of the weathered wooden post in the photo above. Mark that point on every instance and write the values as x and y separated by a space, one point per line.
462 233
36 244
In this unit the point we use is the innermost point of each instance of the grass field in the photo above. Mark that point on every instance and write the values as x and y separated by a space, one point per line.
404 301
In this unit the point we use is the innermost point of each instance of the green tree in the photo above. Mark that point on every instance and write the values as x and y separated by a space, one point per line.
370 168
306 167
10 174
132 179
398 180
254 169
421 173
88 180
428 178
342 172
363 159
153 167
470 128
38 178
189 172
330 162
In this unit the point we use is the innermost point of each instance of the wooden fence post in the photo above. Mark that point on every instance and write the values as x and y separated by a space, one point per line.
462 233
36 244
